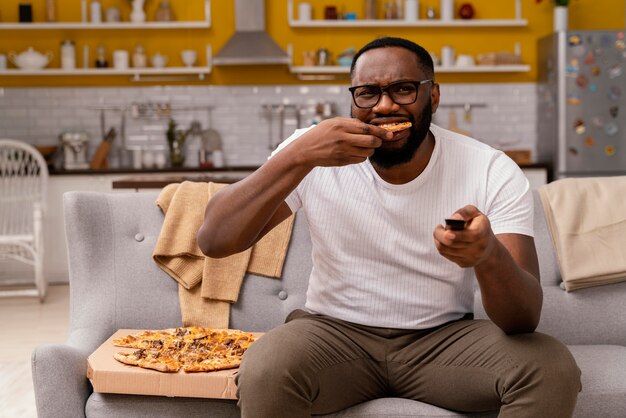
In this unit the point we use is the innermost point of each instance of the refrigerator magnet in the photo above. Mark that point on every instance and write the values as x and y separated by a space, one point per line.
579 126
615 93
615 71
609 150
582 81
611 128
613 111
595 71
590 59
593 87
590 142
597 121
619 44
573 100
574 40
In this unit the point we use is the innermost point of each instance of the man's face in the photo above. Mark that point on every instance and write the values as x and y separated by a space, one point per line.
380 67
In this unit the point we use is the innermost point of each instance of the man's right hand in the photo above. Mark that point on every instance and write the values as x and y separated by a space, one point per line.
338 141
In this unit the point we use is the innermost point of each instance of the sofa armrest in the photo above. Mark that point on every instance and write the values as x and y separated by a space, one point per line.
60 381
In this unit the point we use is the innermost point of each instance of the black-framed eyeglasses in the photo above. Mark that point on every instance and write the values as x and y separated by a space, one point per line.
401 92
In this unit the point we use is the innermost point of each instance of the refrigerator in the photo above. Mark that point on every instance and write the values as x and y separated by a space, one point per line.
581 105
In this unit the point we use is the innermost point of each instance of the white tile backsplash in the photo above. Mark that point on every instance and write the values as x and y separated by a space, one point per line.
39 115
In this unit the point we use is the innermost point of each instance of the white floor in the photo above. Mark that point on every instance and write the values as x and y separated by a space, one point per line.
26 323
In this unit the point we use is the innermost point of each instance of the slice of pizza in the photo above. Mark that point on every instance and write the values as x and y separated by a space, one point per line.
146 339
396 127
161 360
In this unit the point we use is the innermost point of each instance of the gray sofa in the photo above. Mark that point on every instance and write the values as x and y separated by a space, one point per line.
115 284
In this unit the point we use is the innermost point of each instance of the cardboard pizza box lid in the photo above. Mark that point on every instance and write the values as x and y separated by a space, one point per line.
108 375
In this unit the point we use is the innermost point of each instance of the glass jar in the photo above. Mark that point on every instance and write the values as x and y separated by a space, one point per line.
140 60
164 13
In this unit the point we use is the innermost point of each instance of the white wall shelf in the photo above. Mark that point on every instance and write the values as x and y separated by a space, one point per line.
117 25
194 24
137 74
338 69
361 23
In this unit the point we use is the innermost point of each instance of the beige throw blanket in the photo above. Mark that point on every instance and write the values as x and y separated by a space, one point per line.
207 286
587 220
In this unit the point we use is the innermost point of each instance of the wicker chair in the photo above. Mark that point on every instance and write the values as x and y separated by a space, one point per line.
23 181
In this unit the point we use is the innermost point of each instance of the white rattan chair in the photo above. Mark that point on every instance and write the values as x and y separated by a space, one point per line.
23 181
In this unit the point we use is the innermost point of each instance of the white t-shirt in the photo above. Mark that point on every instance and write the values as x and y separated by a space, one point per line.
374 258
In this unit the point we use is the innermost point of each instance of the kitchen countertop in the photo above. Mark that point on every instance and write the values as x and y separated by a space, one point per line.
223 170
226 175
158 182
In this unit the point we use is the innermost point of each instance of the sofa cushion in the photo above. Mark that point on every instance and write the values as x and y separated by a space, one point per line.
106 405
132 406
603 379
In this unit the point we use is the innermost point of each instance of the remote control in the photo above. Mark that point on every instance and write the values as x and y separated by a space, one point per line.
455 224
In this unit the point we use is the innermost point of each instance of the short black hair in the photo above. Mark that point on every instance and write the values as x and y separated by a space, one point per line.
423 57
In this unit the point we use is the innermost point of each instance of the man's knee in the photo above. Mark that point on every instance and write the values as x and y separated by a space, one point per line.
548 364
273 358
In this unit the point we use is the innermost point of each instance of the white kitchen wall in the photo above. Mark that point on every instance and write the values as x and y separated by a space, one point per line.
39 115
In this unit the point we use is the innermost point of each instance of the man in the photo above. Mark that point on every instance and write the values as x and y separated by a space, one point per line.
390 298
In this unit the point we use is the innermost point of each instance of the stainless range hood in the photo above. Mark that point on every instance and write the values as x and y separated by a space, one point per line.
250 45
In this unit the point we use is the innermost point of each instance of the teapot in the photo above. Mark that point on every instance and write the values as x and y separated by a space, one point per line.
30 59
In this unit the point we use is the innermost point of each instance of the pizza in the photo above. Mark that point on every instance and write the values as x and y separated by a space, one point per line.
192 349
395 127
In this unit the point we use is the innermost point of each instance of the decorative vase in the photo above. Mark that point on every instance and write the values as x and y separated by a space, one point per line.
138 15
560 18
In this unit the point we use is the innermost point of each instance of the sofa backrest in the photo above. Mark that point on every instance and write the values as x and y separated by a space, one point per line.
587 316
115 283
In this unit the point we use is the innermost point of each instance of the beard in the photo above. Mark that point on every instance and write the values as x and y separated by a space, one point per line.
388 158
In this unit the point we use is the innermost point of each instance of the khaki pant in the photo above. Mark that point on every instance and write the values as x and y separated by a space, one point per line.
315 364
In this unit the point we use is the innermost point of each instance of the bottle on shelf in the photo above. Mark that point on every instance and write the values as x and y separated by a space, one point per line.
369 11
51 15
68 55
95 11
101 57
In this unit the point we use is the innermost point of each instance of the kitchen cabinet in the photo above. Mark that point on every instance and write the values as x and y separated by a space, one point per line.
136 73
336 71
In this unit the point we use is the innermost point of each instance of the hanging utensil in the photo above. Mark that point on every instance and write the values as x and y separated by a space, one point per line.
467 115
281 123
102 124
211 138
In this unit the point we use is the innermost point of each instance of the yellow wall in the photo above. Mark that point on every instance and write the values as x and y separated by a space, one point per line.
584 14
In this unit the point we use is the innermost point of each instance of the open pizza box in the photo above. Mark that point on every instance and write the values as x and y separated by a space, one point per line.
107 375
